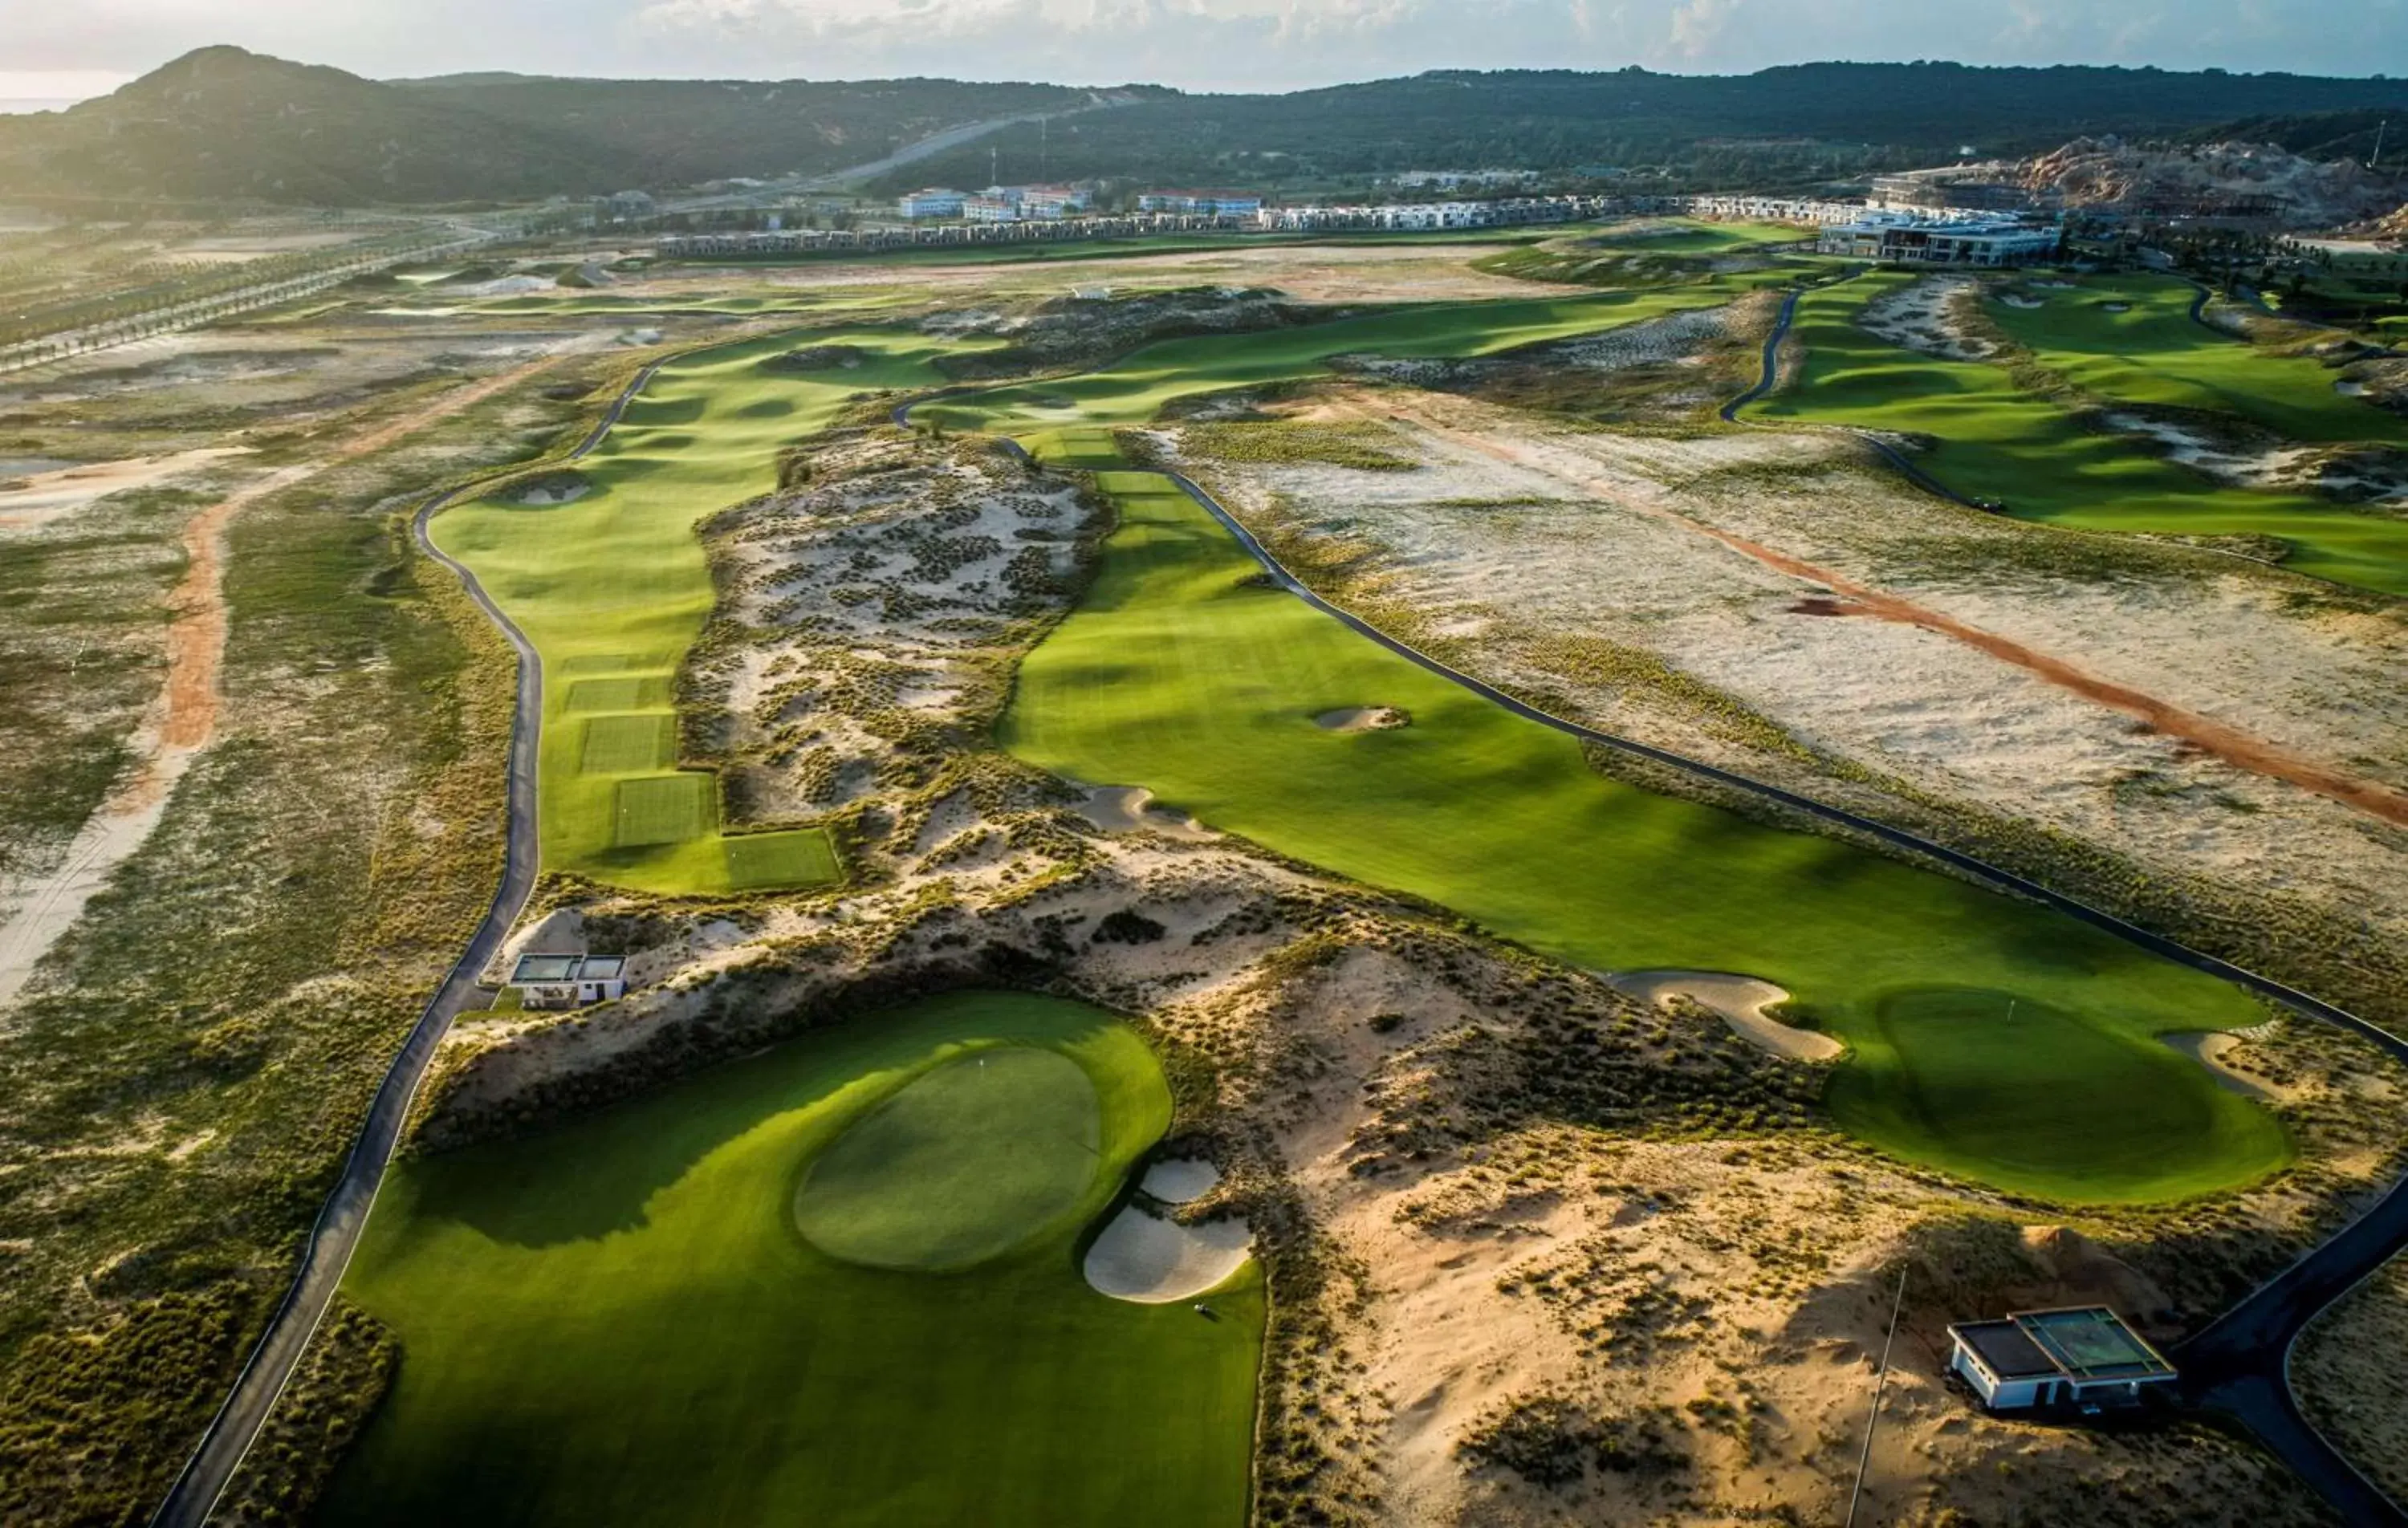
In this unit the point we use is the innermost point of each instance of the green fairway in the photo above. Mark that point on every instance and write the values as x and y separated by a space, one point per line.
1930 1064
1997 441
2154 352
619 1322
1135 389
613 587
1182 673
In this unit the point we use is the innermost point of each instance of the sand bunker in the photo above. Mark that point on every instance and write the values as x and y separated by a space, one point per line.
1129 808
2014 300
2116 307
1180 1180
546 495
2350 390
2210 1048
1741 1001
1927 317
1152 1261
1362 718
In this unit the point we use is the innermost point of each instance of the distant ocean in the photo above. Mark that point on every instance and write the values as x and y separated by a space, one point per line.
13 103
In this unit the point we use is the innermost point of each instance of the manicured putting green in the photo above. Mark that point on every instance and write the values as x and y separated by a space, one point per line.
1181 672
664 809
964 1163
617 1322
628 745
1997 441
1931 1064
613 589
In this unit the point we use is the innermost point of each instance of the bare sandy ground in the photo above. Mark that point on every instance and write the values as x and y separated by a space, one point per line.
1741 1001
46 496
1509 560
2232 744
182 721
1143 1258
1930 316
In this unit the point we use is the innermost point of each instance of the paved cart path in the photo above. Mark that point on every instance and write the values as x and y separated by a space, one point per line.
336 1233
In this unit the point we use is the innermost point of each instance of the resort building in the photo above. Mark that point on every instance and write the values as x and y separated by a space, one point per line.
1219 203
2085 1358
1906 239
568 982
933 202
990 209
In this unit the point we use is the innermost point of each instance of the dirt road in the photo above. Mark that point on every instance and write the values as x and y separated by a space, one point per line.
184 718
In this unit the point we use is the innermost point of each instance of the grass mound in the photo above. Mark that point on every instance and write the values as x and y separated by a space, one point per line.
2034 1097
1182 672
617 1322
964 1163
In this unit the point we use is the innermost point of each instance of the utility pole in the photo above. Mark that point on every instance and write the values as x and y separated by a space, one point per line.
1881 1381
2380 128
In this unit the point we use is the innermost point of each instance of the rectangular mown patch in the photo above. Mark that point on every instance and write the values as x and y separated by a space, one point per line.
758 861
629 745
664 809
632 693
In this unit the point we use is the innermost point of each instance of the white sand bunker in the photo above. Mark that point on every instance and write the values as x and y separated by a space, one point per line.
2348 389
2212 1049
1153 1261
545 495
1180 1180
2116 307
1129 808
1740 1002
1362 718
2016 300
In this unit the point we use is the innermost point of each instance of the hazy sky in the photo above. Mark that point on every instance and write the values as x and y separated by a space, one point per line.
55 49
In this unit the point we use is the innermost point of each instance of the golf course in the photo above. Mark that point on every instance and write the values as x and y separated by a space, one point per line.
611 587
1994 439
835 1283
1184 673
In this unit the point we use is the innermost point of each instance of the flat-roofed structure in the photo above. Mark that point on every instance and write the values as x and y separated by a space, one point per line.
568 982
2082 1356
1900 238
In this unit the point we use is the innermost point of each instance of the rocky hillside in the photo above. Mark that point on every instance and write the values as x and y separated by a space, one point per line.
2213 179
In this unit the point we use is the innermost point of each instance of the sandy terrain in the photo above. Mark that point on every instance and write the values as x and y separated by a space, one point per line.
1937 315
2348 1371
1363 719
30 502
1147 1260
1740 1002
1646 544
2218 1052
180 724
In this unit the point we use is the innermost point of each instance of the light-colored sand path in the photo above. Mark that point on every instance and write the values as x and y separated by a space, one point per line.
2239 749
184 718
46 496
1740 1002
1152 1261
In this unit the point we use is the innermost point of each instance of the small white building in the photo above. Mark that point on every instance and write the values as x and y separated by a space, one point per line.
568 982
931 202
2082 1357
990 209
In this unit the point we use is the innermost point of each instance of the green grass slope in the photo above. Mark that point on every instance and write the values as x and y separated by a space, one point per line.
619 1323
1997 441
2154 352
1182 674
613 587
1137 388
